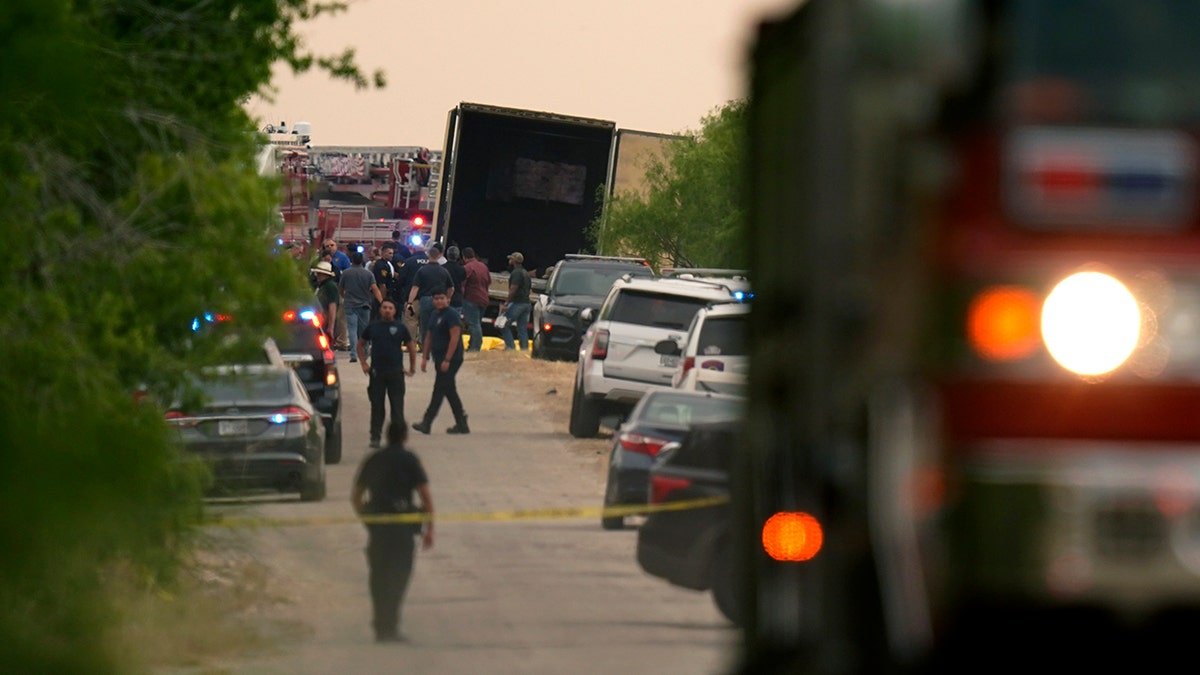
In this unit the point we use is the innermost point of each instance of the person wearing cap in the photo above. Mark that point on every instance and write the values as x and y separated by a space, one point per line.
327 296
428 277
517 307
458 273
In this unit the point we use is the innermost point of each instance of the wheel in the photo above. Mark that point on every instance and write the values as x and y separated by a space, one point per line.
313 491
333 443
724 583
611 490
585 415
539 346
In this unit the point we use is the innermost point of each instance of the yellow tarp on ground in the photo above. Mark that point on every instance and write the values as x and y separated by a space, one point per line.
489 342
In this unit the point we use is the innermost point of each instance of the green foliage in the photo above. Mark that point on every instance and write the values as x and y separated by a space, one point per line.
693 213
131 205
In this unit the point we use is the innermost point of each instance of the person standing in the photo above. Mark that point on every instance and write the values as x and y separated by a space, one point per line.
412 264
458 274
475 287
383 486
341 263
327 296
444 338
358 290
385 272
516 309
388 338
429 276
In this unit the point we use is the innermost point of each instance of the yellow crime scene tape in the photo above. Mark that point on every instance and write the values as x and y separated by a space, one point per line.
520 514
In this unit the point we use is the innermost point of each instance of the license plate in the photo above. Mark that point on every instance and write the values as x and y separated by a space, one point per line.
668 360
231 427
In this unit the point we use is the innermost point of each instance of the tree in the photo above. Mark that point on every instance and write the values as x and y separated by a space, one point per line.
130 206
692 213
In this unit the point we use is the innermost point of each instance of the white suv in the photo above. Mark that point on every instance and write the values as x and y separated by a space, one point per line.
713 355
617 359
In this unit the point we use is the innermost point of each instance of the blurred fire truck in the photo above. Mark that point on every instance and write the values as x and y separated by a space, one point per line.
354 194
974 430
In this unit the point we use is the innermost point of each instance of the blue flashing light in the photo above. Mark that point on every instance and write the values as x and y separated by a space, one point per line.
415 240
307 315
195 324
743 296
278 418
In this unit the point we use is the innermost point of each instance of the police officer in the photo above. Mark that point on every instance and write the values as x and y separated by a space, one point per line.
443 335
384 485
388 338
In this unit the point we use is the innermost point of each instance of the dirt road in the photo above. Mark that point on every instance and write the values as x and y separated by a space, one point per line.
515 596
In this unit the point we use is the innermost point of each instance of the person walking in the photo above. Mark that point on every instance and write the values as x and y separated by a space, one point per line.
476 283
408 272
358 291
327 296
388 338
516 309
444 338
383 487
429 276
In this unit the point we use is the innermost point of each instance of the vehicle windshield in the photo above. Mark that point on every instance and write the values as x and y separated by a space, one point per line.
656 309
594 281
240 386
1106 60
682 410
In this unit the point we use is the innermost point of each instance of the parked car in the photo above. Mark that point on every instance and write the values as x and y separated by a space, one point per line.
692 548
660 417
574 292
713 355
256 427
617 359
306 348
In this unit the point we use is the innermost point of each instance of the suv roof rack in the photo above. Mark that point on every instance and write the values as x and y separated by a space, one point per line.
614 258
692 272
710 282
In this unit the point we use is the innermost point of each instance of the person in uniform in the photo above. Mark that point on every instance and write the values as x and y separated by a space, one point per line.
444 337
384 485
388 338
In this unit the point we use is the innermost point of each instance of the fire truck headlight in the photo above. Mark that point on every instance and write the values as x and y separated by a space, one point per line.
1090 323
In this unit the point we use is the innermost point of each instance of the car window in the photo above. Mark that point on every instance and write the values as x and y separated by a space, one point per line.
594 281
247 387
655 309
687 410
723 336
301 336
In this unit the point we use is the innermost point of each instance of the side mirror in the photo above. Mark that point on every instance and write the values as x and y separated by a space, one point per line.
587 314
667 348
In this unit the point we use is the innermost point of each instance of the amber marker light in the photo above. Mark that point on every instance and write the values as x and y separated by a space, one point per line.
792 537
1004 323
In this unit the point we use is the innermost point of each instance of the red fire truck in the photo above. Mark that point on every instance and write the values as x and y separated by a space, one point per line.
975 386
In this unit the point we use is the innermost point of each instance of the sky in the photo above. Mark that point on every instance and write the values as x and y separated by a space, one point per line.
647 65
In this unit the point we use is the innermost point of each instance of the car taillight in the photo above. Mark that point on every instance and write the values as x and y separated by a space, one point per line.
178 419
686 365
546 327
661 487
323 341
290 414
330 377
644 445
600 345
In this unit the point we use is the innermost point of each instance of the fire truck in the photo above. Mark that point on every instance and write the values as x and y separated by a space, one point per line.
354 194
973 439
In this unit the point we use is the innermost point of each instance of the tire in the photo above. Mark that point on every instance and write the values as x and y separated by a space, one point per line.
539 347
333 443
722 584
610 499
585 416
313 492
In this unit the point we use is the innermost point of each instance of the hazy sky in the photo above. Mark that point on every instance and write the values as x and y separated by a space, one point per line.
649 65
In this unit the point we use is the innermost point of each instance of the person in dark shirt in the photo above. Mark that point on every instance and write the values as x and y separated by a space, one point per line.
458 274
517 308
384 487
431 275
388 338
444 338
328 296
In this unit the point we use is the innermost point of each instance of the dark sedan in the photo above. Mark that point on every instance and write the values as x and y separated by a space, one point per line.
256 428
692 548
661 416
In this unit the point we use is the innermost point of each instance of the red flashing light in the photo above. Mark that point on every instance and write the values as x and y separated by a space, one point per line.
792 536
418 221
289 315
546 327
323 340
